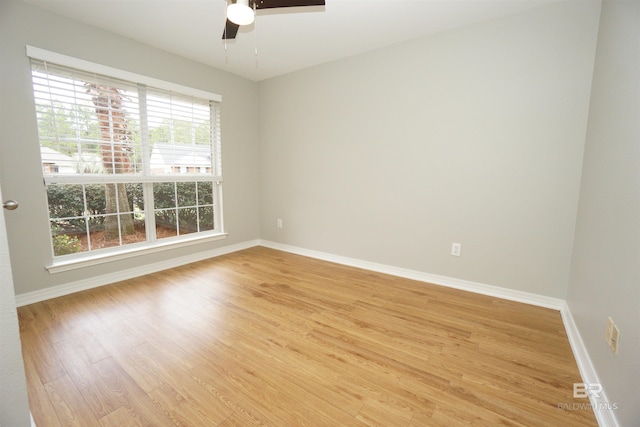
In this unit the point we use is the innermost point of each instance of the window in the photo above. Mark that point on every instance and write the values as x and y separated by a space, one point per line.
127 161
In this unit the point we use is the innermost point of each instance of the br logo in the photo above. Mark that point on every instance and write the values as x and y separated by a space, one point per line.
583 390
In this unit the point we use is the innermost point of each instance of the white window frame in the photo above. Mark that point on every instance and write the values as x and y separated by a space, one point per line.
84 259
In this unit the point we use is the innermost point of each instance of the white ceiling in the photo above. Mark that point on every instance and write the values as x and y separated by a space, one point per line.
287 39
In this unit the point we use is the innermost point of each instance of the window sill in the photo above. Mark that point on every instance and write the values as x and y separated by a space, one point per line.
96 259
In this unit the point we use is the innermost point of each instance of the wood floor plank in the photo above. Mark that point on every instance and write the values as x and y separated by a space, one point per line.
41 407
138 405
119 418
45 361
69 404
97 397
183 411
261 337
87 343
242 419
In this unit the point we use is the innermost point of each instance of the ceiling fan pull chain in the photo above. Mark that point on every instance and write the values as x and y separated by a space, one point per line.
255 30
224 33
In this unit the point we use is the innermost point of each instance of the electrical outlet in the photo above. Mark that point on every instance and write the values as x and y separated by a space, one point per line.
615 339
279 223
456 248
612 335
609 331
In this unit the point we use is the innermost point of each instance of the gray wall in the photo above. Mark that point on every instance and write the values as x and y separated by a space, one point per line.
474 136
22 24
605 271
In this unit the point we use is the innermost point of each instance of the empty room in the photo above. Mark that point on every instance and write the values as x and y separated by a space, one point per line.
319 213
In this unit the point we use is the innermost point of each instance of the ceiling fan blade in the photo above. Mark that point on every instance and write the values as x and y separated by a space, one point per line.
270 4
230 30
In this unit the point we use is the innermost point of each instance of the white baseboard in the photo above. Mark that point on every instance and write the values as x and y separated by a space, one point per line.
117 276
450 282
602 407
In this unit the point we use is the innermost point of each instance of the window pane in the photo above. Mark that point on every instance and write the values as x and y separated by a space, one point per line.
186 192
66 209
65 201
188 220
66 242
164 195
135 195
206 218
139 234
166 224
96 200
205 193
104 232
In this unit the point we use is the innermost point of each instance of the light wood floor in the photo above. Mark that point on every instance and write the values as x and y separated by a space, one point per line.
262 337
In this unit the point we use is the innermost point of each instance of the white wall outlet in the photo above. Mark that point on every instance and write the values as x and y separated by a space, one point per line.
612 335
279 223
607 335
615 339
456 248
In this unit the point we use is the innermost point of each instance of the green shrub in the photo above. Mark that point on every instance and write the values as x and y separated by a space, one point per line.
64 244
67 201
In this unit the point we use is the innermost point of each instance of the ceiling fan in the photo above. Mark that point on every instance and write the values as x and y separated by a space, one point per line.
241 12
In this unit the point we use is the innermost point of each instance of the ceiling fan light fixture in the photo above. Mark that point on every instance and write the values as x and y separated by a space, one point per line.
239 12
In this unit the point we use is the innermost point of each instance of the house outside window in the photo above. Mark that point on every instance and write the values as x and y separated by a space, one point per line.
128 162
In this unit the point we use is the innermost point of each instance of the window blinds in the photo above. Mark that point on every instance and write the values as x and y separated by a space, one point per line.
96 128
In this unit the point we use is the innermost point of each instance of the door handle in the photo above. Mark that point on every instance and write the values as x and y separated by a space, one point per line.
10 205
